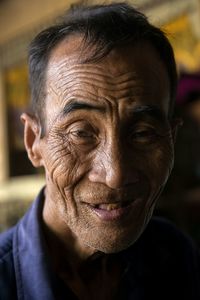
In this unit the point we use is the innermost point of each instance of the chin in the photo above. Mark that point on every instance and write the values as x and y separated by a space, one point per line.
115 247
113 243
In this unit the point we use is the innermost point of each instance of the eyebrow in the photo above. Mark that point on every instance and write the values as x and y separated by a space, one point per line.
149 110
137 112
79 105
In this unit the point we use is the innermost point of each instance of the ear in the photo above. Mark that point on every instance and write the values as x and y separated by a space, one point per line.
175 125
32 139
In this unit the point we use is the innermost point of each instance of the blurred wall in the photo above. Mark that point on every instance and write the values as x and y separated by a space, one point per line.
17 16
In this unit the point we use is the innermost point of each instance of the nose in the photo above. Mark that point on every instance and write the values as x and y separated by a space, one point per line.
113 167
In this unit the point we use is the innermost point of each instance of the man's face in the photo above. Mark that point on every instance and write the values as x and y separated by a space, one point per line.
108 149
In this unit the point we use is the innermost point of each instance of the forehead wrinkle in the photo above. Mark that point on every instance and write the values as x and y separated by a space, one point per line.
71 77
112 80
77 78
97 93
69 65
73 81
92 77
99 85
51 89
61 70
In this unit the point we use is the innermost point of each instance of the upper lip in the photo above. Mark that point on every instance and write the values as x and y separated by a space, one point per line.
120 196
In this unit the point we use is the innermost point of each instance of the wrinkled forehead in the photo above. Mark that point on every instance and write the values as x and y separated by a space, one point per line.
125 71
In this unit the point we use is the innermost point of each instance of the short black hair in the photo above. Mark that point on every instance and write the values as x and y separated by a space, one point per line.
103 27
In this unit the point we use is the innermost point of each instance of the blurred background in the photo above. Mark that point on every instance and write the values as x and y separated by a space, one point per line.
20 20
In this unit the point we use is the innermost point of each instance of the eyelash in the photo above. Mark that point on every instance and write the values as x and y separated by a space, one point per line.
149 135
82 134
144 133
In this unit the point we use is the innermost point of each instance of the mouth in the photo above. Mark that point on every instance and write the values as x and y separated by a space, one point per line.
111 206
112 211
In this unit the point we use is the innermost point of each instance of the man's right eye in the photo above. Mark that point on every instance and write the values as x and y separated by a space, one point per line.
82 134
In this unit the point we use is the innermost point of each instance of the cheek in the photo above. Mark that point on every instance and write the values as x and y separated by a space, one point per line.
161 163
63 163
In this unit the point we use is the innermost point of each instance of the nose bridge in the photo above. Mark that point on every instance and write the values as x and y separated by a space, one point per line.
113 163
116 170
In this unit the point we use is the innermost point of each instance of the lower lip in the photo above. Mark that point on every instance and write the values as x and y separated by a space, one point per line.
114 214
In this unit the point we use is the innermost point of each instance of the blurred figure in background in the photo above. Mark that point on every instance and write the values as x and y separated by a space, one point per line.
188 146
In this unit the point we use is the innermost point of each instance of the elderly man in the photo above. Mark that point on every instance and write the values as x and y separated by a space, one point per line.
101 124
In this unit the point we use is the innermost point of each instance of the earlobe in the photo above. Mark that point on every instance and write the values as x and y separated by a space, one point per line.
32 139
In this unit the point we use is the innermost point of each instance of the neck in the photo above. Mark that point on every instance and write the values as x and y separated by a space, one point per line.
82 268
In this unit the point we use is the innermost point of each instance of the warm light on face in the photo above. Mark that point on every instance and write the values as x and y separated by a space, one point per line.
108 148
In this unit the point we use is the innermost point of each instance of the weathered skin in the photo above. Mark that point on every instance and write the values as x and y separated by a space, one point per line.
114 147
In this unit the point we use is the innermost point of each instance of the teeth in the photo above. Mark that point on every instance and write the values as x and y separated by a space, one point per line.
109 206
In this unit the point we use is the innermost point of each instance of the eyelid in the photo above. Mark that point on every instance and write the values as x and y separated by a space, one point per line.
151 125
85 133
150 131
147 130
83 136
81 125
142 127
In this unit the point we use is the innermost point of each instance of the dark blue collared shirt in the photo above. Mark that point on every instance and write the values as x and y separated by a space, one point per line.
162 264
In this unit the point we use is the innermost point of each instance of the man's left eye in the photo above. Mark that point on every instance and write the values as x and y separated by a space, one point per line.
144 135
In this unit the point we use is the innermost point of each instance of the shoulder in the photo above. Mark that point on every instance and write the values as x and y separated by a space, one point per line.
165 233
172 257
162 236
7 273
6 242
